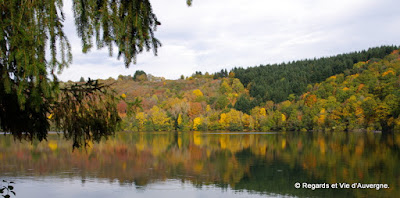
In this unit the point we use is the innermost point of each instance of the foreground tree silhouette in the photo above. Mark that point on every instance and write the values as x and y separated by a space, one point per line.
33 48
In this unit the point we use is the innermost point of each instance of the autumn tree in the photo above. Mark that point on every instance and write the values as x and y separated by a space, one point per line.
195 109
237 86
225 88
232 120
159 119
197 122
199 95
248 122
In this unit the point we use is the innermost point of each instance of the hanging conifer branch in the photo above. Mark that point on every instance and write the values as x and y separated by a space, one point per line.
26 91
34 48
86 112
127 24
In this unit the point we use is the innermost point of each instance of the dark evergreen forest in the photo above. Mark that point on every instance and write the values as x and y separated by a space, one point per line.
276 82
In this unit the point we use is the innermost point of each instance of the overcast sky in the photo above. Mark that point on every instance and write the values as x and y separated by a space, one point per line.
213 35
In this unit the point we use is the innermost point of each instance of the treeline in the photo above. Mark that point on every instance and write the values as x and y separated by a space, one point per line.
366 96
182 105
276 82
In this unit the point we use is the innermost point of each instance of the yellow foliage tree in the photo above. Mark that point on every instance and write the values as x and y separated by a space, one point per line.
283 117
248 121
208 108
322 116
197 122
159 118
262 112
321 119
198 93
258 115
223 120
225 88
257 112
179 119
235 116
237 86
232 117
141 119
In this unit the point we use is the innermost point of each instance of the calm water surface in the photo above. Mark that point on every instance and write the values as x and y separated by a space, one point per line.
169 164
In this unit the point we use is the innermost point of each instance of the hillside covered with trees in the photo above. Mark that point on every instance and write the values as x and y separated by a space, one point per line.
363 97
276 82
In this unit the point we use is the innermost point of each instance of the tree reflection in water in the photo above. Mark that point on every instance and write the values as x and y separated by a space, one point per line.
260 163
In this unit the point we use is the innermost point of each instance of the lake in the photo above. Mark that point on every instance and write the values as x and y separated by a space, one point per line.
206 164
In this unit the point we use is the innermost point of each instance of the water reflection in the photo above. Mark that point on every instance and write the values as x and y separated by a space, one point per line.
260 163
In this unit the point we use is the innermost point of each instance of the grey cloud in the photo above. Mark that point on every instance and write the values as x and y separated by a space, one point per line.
212 35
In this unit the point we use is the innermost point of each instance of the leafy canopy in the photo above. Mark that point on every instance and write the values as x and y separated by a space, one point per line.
34 47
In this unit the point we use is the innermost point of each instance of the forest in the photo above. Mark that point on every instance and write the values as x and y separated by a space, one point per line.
243 131
276 82
365 96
